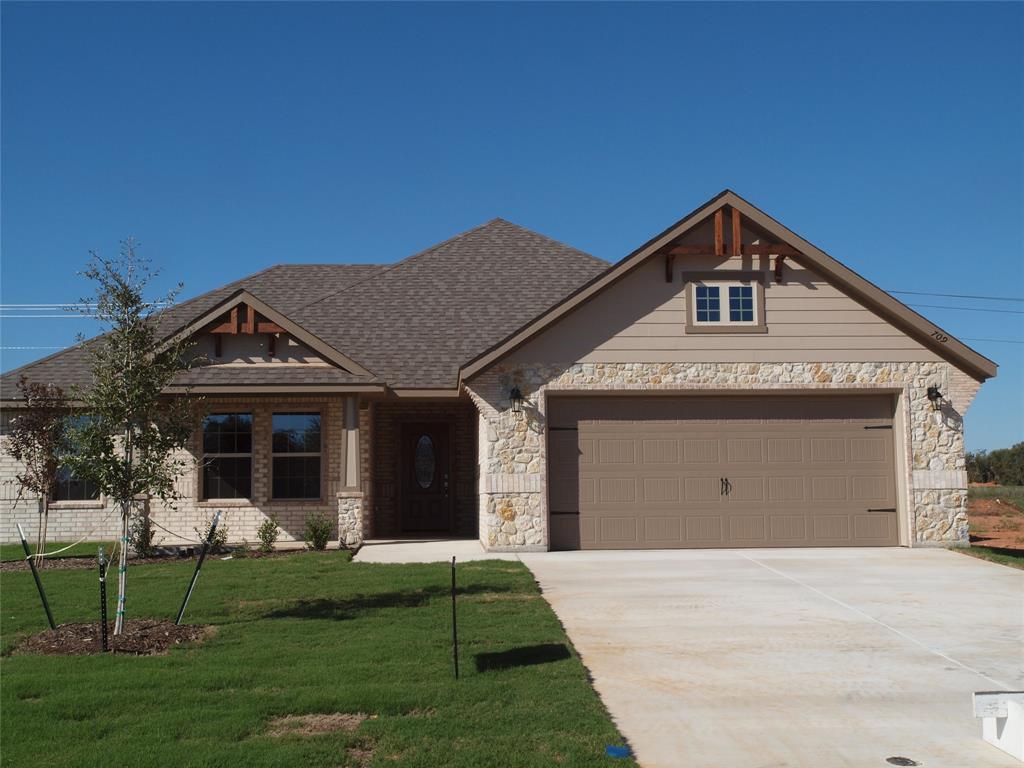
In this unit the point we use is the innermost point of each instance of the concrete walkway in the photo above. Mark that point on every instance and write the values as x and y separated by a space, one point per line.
425 551
823 658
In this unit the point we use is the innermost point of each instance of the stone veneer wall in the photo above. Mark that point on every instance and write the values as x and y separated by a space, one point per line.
513 503
71 520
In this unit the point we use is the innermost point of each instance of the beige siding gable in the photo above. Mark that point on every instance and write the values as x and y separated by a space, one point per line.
641 319
252 349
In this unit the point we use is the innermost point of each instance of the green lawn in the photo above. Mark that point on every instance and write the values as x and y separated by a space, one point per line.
312 633
1011 557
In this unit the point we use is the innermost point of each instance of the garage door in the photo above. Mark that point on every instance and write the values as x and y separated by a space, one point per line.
770 471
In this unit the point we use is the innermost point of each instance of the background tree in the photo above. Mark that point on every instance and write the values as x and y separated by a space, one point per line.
130 445
38 441
1004 466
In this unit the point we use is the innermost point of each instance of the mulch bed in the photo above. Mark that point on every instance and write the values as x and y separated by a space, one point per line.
79 562
141 637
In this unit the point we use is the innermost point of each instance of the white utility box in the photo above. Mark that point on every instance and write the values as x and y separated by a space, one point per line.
1002 720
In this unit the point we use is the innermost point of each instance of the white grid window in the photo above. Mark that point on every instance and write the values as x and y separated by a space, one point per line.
725 303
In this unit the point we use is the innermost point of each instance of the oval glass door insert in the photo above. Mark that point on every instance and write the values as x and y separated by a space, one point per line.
425 462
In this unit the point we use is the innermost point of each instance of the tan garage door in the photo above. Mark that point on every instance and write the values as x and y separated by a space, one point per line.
771 471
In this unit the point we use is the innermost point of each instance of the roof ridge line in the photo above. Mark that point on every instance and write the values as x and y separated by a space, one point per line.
551 239
398 264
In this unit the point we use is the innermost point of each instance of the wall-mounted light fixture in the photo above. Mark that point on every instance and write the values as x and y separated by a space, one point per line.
516 398
935 397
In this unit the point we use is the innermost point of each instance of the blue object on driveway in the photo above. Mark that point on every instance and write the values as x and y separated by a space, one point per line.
613 751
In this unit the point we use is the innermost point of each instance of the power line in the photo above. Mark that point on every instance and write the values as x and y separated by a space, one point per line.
43 306
969 309
61 304
1001 341
67 316
960 296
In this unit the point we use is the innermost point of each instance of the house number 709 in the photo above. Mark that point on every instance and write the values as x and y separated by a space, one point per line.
940 336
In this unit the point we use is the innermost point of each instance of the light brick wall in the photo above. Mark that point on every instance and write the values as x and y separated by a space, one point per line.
70 521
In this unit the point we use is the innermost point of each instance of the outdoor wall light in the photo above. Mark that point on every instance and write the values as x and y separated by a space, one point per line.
516 398
935 396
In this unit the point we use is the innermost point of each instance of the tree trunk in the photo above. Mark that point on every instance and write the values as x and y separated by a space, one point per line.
122 571
44 509
39 528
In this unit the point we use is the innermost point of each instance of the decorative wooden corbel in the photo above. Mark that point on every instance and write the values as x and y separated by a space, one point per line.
779 258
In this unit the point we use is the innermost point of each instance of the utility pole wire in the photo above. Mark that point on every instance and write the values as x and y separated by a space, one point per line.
969 309
960 296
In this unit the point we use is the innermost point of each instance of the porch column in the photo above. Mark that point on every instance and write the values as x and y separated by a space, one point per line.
352 462
350 497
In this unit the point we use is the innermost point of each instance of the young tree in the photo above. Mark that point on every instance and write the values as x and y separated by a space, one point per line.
38 440
129 446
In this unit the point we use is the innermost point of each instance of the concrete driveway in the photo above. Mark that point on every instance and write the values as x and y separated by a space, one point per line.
822 657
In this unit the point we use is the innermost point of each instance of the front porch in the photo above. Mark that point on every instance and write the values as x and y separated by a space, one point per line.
418 459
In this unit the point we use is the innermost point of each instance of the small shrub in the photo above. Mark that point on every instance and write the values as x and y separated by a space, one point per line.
140 536
219 544
268 533
318 530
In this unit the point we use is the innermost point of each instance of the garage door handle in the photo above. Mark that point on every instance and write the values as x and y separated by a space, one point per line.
726 486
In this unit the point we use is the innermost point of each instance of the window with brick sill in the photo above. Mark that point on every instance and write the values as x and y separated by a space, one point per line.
296 445
227 456
70 488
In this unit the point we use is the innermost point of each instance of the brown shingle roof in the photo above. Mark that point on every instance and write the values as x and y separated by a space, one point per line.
278 373
416 323
413 323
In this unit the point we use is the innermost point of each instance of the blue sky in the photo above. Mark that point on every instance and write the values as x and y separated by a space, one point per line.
228 137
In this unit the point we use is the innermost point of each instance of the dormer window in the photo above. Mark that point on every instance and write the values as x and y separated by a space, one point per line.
725 301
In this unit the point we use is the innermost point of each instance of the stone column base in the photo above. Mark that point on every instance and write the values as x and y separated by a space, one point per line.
350 519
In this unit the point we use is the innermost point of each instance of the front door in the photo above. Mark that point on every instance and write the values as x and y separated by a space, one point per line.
424 473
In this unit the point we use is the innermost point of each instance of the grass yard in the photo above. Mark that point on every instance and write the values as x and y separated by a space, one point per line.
313 633
1011 557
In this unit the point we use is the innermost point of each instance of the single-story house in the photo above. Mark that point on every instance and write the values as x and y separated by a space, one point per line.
726 384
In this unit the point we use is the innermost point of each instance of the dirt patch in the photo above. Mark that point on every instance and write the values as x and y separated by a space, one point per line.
310 725
996 523
429 712
141 637
361 755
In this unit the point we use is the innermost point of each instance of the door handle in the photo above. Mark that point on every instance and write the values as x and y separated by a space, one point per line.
726 486
721 486
446 485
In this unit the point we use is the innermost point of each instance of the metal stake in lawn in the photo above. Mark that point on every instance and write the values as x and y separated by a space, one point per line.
455 634
35 575
199 564
103 602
